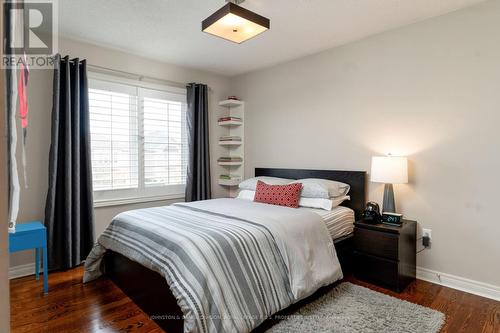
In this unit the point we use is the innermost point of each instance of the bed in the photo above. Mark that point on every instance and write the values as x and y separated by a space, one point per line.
155 295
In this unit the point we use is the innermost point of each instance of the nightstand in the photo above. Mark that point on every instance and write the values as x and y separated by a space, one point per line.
384 254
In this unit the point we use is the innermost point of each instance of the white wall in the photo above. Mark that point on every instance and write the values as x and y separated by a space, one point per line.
4 253
32 206
4 188
430 91
4 256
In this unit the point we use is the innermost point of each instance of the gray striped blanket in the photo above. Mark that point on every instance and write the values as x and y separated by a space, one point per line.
228 273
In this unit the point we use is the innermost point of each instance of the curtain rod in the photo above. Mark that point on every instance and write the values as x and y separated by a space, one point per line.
135 76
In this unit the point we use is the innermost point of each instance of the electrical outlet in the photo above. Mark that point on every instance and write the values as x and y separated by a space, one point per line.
427 233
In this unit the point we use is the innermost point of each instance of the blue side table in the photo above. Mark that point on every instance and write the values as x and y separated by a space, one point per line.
32 235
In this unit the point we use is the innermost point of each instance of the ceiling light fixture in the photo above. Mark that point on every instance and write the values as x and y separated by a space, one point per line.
235 23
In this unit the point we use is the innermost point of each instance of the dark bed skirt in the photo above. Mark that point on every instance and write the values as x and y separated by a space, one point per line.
151 293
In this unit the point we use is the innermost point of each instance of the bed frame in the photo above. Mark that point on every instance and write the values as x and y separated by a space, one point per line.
356 179
150 291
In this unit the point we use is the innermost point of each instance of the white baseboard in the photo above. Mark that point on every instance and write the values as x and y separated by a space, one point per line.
22 270
459 283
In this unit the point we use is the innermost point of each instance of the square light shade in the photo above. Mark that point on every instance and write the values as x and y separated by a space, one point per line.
389 170
235 23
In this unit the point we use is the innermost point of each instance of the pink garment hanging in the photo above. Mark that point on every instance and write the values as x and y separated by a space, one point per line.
22 86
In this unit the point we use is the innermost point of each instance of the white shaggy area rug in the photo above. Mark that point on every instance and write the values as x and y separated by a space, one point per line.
351 308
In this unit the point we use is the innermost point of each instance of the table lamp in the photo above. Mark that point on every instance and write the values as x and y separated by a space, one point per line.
389 170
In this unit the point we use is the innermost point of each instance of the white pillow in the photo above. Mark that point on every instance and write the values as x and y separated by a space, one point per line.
322 188
246 195
251 183
326 204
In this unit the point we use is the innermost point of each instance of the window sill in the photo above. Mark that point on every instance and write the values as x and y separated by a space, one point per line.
129 201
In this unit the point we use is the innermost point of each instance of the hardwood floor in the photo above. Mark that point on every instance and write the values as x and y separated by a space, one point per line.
101 307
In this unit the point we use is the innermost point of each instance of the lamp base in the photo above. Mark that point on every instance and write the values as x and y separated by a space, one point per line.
389 206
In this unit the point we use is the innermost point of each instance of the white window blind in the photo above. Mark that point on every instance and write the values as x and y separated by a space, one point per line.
138 140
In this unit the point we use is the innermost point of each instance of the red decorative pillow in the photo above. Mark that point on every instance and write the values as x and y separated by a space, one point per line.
281 195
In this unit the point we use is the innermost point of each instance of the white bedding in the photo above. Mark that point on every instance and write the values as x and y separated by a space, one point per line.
229 263
301 235
339 221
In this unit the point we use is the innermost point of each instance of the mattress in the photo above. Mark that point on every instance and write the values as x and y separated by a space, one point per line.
339 221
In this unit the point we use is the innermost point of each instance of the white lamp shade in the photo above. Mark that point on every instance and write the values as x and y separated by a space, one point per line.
389 170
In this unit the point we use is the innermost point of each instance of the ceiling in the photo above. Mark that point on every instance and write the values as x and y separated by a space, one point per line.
170 30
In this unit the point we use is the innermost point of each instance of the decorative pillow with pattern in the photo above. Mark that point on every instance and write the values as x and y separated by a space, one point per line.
281 195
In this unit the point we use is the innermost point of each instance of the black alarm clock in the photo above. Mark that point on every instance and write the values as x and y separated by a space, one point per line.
392 218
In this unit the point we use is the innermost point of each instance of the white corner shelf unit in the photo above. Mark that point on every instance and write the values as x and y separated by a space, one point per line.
232 143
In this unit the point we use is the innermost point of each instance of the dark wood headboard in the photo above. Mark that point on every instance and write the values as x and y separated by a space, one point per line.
356 179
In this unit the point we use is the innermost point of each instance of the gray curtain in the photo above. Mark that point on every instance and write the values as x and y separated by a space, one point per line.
69 207
198 171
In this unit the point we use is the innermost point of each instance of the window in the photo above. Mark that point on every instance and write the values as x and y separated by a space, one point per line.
138 139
